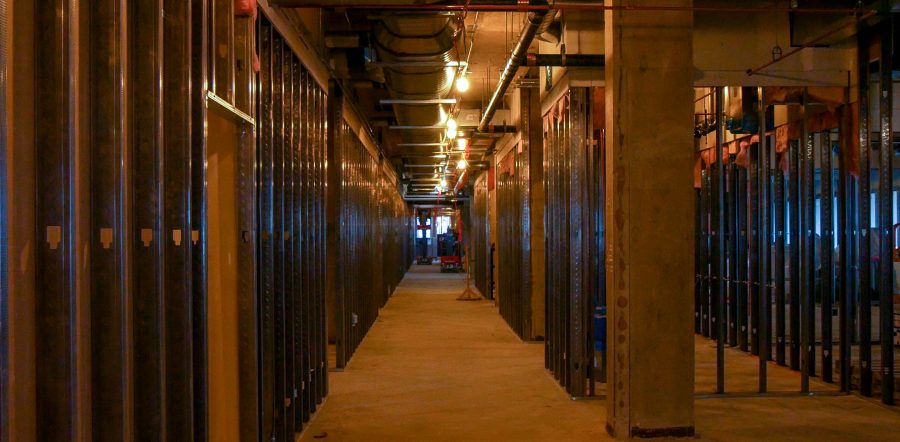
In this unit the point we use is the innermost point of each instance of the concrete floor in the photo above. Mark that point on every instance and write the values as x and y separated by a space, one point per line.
784 414
436 369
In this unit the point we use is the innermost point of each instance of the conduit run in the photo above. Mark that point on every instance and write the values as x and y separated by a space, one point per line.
519 52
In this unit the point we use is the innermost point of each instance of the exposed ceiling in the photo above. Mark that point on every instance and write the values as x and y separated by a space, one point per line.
386 57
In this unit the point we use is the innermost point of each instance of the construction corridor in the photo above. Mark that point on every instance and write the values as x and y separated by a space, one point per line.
449 220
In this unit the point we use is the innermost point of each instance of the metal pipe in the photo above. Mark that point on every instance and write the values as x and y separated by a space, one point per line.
463 177
507 129
596 60
512 65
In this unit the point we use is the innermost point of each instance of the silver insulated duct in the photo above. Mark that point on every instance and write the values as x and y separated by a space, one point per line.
415 50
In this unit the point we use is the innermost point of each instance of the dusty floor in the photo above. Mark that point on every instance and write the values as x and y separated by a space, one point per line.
436 369
784 415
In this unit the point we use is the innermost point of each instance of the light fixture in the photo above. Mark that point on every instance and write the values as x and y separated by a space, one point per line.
451 133
451 125
461 143
462 164
462 83
444 183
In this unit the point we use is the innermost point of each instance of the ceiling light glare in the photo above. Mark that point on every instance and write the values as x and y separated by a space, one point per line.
462 84
462 164
451 133
451 125
461 143
443 184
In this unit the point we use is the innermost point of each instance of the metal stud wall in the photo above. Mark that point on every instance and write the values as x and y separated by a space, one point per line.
143 134
108 195
514 273
479 255
373 237
291 222
575 284
395 238
804 272
55 291
519 237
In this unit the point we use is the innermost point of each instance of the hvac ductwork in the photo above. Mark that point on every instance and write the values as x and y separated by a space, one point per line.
416 50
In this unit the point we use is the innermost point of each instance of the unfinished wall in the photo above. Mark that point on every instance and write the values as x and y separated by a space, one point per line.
19 390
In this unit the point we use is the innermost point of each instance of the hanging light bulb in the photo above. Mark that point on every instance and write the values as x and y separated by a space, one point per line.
462 83
443 183
451 133
451 125
461 143
462 164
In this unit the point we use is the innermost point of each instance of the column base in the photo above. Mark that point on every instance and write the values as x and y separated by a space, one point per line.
649 433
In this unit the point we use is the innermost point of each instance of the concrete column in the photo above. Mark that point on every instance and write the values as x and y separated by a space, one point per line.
649 99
